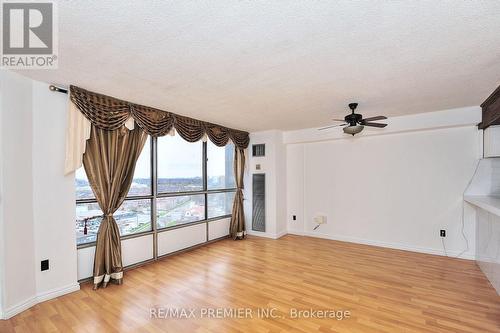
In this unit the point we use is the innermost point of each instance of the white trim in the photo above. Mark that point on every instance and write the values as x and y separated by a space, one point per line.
281 234
20 307
39 298
397 246
50 294
266 234
296 232
260 234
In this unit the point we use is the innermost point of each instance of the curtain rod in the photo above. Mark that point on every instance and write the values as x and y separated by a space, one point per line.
58 89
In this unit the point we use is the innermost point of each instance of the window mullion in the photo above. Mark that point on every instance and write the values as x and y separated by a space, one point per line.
205 180
154 188
205 160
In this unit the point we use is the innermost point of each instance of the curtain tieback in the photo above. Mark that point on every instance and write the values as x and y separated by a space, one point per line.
107 215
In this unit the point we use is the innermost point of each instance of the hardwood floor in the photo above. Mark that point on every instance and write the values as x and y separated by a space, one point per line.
384 290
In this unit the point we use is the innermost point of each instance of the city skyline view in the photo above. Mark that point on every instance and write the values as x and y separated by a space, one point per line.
184 173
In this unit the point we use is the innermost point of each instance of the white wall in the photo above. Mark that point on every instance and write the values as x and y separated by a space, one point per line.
393 190
53 194
2 265
181 238
300 164
273 165
295 188
37 200
218 229
19 285
281 185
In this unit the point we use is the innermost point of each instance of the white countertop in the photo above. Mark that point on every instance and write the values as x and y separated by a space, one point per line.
486 202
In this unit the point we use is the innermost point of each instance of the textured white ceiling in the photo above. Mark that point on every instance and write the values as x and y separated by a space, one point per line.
259 65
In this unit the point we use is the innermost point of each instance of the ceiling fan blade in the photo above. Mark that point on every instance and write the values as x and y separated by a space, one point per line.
331 126
375 118
337 119
375 124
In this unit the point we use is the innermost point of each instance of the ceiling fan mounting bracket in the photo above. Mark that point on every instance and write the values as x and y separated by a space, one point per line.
353 106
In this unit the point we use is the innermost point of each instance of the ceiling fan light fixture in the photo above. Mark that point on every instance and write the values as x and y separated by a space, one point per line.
354 129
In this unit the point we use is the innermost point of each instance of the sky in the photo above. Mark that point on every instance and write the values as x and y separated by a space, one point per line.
178 158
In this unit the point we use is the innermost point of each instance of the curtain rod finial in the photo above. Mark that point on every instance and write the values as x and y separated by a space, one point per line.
58 89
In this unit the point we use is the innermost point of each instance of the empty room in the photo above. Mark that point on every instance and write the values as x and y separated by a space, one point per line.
250 166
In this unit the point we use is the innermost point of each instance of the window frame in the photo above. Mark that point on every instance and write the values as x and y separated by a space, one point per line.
155 195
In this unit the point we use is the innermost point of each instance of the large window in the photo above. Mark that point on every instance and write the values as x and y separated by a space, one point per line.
176 183
180 165
220 170
171 211
134 215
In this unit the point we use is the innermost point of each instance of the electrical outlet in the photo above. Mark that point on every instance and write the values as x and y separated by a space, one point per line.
44 265
442 233
294 217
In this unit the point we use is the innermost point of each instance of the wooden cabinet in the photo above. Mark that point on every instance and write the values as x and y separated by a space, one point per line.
491 110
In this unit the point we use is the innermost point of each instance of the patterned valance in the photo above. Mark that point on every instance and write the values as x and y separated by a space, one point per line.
110 113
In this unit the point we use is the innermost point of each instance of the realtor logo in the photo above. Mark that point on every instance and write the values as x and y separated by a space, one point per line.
29 35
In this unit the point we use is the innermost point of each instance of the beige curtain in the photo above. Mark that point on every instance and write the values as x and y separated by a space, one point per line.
237 225
77 134
109 161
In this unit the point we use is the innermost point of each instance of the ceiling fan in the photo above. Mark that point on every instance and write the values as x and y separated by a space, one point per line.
354 122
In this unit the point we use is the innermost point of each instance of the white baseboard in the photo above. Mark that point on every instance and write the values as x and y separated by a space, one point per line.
281 234
45 296
39 298
19 307
396 246
296 232
266 234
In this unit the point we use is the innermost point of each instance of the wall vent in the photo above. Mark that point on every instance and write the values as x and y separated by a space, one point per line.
259 202
259 150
